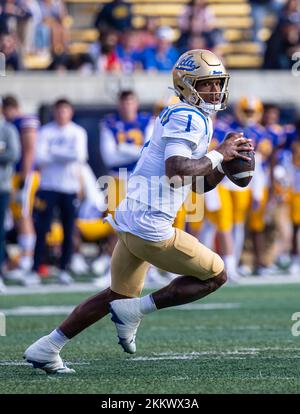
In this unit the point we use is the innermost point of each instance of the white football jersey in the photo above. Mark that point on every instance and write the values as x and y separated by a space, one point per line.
151 204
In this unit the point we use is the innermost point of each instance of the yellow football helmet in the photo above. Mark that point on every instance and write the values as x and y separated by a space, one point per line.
249 110
197 65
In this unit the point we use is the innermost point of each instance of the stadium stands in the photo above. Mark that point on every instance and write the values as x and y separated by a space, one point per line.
232 16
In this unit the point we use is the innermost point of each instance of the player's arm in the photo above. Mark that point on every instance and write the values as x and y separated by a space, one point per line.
115 155
43 154
10 150
28 139
211 180
180 166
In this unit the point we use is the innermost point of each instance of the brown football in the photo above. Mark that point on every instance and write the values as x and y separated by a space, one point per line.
240 171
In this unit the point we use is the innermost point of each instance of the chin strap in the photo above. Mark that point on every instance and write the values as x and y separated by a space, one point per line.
209 108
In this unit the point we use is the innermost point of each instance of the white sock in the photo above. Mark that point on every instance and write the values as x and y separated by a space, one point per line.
207 234
230 263
58 339
147 304
238 240
25 263
26 242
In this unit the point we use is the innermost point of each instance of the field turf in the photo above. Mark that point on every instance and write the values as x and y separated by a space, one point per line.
238 340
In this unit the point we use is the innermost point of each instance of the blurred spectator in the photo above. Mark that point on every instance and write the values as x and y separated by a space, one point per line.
259 10
115 15
16 18
40 34
54 16
104 53
81 62
147 35
198 19
164 55
196 42
9 155
291 10
129 51
283 43
12 14
8 46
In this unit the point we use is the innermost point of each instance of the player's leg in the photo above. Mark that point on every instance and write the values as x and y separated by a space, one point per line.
257 226
182 254
44 207
295 218
241 201
26 236
295 265
4 200
128 274
223 220
68 214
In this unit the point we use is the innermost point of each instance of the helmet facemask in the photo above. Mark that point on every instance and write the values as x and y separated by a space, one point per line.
196 100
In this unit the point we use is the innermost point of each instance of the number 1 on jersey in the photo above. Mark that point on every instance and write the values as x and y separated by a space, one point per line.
188 127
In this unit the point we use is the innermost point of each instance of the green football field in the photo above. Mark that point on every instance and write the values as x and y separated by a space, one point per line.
238 340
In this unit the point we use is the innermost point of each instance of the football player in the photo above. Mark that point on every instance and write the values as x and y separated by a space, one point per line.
269 134
294 173
25 183
170 166
278 181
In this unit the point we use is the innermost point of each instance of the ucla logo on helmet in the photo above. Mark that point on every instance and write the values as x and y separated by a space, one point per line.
216 72
187 64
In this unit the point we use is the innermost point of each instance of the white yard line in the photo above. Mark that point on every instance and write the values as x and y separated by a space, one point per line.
90 287
37 310
240 353
206 306
55 288
65 310
20 363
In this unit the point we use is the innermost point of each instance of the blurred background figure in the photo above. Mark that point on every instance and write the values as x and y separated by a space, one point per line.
25 183
122 136
294 173
198 19
104 53
283 43
8 46
61 150
115 15
260 9
9 154
54 16
15 18
163 56
129 51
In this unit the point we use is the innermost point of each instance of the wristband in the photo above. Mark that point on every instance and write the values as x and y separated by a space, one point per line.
215 157
220 168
